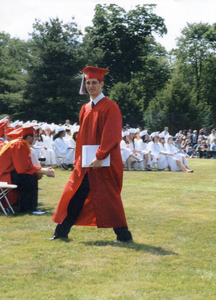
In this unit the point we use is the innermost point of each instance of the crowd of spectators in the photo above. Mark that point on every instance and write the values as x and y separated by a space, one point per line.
200 144
55 145
155 147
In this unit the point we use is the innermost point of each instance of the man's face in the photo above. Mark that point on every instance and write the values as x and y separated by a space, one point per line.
94 87
30 139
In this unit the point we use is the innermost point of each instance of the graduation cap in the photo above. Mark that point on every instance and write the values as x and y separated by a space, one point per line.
91 73
3 126
14 134
125 133
28 130
144 132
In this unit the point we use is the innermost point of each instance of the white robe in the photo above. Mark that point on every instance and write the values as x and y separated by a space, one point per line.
143 148
62 150
43 148
172 159
125 151
71 143
159 159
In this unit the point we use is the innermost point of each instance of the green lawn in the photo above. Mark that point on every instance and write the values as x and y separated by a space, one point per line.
172 217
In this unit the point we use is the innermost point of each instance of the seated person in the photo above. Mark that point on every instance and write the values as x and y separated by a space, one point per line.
16 167
175 159
126 152
3 126
190 153
62 149
158 157
213 148
201 149
43 147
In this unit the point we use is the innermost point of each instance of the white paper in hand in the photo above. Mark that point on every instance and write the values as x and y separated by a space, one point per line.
89 153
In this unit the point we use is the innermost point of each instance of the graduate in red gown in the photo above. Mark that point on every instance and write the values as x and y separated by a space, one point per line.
92 195
3 127
16 167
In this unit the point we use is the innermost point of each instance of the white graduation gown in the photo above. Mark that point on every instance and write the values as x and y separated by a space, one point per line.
62 150
172 159
125 151
158 158
143 148
43 148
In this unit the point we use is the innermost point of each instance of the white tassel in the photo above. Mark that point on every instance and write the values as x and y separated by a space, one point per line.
82 87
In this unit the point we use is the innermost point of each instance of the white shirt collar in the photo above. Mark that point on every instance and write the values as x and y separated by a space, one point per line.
97 99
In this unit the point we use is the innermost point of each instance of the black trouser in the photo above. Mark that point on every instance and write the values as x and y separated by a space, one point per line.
28 185
74 209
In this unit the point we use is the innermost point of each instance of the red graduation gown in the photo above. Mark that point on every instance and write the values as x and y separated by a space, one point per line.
2 143
16 157
103 207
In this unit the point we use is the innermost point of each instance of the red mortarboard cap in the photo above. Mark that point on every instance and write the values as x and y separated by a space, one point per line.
28 130
8 130
14 134
94 72
2 127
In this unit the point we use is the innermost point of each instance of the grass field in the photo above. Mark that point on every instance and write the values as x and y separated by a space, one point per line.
172 217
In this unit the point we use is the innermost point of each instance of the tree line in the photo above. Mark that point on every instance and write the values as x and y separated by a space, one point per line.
40 78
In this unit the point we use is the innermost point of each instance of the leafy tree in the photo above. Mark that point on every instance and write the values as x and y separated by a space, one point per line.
196 60
118 40
54 65
175 107
193 48
128 103
12 74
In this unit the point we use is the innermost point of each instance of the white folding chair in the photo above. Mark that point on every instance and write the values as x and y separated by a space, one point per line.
5 188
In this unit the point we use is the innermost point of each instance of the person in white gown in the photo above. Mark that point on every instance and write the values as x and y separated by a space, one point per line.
126 152
45 147
141 147
175 158
62 149
159 158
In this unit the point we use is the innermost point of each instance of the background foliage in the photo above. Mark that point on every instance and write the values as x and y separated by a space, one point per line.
40 78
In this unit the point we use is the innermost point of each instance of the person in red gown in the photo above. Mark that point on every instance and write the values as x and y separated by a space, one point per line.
92 195
16 167
3 127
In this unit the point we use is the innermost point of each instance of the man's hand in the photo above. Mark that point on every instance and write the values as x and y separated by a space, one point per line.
96 164
50 172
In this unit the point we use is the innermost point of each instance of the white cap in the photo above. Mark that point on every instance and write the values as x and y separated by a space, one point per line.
155 134
4 119
45 126
16 123
144 132
161 135
75 128
125 133
132 130
60 129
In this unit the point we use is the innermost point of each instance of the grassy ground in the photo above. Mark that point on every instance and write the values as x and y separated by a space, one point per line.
172 218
